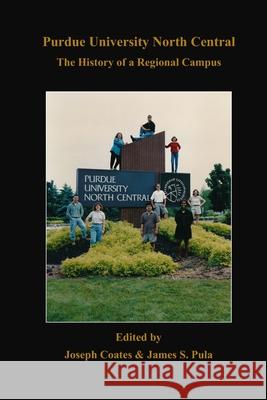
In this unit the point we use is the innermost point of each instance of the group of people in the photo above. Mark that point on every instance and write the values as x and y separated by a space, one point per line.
184 218
150 219
97 218
146 130
155 209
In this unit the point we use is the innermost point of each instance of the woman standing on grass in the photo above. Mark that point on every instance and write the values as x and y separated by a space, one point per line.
115 158
183 232
196 202
98 223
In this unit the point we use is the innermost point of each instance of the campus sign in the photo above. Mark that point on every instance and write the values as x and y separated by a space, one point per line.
128 188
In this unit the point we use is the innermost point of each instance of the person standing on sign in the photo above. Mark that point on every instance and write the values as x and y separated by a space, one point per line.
196 202
98 223
158 202
149 226
115 158
175 148
146 130
183 232
74 213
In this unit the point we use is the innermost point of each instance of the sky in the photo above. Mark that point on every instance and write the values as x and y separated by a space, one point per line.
81 126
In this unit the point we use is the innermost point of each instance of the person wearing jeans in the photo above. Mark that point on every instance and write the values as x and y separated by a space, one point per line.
74 213
174 161
175 147
98 223
146 130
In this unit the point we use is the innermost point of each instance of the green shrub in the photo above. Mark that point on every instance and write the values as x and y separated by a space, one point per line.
227 217
120 253
55 221
218 228
216 250
219 256
58 238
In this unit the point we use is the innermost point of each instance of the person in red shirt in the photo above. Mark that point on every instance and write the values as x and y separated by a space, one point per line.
175 147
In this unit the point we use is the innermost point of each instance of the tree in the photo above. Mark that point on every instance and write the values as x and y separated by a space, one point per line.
112 213
52 199
219 182
205 193
64 198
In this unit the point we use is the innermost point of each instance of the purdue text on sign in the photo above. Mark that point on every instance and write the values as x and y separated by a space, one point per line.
115 188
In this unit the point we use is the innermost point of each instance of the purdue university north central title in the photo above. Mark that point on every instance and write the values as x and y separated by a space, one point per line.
138 42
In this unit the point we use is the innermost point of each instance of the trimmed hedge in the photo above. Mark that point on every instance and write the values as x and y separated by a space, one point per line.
59 245
54 221
216 250
121 253
218 228
57 239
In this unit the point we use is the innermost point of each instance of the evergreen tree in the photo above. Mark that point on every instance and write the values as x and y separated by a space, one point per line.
64 198
52 199
205 193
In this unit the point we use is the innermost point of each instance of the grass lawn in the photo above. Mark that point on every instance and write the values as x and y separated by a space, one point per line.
138 299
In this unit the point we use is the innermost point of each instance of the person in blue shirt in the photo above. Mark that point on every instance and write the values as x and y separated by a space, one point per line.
115 159
74 213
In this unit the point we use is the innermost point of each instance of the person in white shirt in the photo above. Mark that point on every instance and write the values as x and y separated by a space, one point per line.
158 202
98 223
196 202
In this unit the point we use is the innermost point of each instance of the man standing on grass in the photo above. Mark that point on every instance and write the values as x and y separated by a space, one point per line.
74 213
149 226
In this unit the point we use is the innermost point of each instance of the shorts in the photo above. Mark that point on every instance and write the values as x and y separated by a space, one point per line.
160 209
196 210
149 237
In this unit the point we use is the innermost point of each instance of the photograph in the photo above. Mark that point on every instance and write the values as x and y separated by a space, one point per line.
138 206
136 269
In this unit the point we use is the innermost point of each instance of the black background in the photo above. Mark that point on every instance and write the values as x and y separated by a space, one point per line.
31 71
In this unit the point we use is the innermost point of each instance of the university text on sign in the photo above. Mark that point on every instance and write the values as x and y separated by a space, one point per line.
127 188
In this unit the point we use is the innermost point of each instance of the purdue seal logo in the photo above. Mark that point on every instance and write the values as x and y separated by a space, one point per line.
175 190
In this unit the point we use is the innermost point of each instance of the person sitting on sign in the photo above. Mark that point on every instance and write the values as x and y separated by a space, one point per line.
115 159
149 226
196 202
183 232
98 223
146 130
158 202
175 147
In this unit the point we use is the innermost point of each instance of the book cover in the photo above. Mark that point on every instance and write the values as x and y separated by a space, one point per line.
134 271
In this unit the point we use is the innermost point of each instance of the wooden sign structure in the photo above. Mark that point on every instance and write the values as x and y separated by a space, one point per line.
147 154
